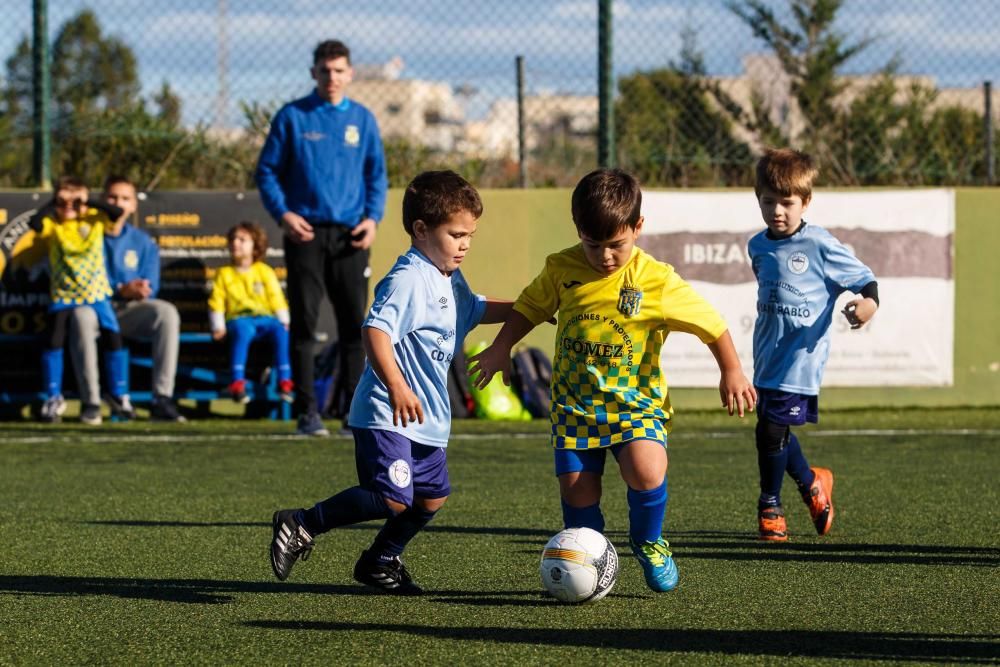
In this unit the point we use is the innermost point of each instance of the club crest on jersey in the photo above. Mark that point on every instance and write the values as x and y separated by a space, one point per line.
629 300
352 136
798 263
131 259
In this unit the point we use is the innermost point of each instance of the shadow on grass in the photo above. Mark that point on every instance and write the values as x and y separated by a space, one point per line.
982 649
210 591
188 591
746 546
706 545
543 535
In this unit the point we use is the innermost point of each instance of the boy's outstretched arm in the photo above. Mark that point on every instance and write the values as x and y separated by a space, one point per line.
735 390
497 356
405 404
497 311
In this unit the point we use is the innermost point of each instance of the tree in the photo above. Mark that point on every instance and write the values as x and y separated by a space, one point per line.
876 132
670 131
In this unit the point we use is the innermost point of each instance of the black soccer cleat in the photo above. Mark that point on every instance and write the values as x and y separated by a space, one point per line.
389 577
289 542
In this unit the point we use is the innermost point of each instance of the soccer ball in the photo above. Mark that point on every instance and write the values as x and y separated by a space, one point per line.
579 565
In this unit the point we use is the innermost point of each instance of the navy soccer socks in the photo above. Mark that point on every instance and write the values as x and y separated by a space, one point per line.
353 505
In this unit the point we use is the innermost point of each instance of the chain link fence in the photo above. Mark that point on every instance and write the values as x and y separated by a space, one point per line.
178 93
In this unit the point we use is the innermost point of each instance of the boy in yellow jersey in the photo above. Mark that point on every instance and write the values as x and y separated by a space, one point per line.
72 225
247 303
616 305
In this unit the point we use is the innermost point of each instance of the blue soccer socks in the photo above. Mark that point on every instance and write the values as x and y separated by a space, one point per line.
583 517
645 513
52 371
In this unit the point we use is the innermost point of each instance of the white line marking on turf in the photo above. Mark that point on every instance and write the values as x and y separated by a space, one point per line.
541 435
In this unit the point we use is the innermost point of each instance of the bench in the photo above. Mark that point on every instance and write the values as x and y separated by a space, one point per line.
263 395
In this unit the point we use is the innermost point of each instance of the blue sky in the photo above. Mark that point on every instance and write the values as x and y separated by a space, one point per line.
474 42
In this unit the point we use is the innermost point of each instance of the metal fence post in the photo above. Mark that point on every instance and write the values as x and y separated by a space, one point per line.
988 130
41 90
522 157
605 86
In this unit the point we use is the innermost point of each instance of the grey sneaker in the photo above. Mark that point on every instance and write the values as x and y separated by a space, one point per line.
53 409
289 542
121 407
163 409
91 414
311 424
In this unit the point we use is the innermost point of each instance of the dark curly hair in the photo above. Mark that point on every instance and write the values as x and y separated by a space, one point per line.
256 233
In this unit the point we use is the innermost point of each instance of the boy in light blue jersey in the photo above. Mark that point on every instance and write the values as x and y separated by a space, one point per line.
801 270
400 414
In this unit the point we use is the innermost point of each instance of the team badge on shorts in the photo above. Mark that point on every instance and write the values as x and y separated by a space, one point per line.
798 263
352 136
629 300
399 473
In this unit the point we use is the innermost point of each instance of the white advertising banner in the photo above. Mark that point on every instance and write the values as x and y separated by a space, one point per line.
905 236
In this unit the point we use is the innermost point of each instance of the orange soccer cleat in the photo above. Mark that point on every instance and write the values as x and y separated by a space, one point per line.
819 499
771 522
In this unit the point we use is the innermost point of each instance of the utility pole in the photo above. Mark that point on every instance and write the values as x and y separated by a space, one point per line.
41 93
605 86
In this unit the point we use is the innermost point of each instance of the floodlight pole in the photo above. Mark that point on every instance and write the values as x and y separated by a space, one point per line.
41 93
605 86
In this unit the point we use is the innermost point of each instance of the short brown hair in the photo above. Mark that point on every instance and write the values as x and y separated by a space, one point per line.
331 49
69 183
115 179
435 196
605 201
787 172
256 233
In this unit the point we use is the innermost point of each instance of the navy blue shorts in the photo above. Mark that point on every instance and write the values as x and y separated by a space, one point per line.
586 460
782 407
398 468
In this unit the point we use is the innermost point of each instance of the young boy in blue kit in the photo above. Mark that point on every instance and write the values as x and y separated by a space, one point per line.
400 414
801 270
616 306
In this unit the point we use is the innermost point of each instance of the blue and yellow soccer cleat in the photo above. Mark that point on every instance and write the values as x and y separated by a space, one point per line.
658 566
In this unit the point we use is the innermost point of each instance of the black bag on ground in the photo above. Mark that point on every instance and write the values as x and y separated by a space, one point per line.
532 380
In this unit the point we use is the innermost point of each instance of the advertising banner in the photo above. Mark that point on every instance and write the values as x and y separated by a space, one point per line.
906 237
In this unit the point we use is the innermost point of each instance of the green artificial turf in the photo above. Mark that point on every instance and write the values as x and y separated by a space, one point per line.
139 543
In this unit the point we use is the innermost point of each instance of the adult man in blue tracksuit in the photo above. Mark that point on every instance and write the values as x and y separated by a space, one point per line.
321 175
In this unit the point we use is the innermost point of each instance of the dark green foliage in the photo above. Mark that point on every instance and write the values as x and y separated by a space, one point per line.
875 132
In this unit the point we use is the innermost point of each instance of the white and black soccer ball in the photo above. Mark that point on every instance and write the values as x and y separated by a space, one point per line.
579 565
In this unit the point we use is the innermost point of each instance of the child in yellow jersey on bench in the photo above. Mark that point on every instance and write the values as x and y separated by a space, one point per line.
247 303
616 305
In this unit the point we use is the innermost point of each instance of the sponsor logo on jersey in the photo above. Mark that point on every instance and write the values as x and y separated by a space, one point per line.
313 136
352 135
571 284
629 300
798 263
